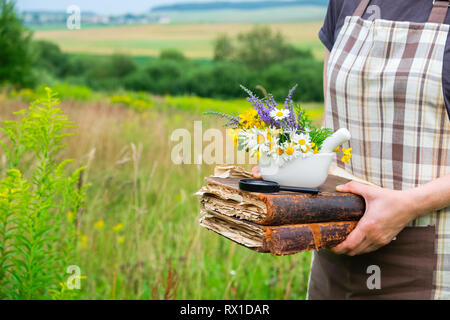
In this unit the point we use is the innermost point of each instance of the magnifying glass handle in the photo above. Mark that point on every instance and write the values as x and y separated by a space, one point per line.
303 190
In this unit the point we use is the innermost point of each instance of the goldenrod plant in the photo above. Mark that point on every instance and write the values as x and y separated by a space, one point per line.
38 240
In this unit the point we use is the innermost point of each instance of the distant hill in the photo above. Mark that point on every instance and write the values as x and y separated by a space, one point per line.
247 5
242 12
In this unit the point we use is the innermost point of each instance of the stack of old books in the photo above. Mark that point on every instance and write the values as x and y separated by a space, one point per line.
279 223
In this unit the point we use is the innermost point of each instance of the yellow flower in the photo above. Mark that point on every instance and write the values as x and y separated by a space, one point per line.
99 225
280 151
336 149
290 150
313 144
346 159
251 119
121 239
347 152
347 155
70 216
118 227
316 150
84 241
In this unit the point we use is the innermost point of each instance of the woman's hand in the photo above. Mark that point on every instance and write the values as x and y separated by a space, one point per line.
387 213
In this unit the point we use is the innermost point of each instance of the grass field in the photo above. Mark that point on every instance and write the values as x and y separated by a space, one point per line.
150 245
195 40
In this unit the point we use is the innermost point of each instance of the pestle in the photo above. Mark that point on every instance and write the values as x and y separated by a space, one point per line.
335 140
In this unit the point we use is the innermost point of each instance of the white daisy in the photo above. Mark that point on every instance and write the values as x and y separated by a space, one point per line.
279 114
288 152
255 140
303 140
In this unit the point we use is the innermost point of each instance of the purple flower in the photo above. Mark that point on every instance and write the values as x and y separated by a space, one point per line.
288 104
265 106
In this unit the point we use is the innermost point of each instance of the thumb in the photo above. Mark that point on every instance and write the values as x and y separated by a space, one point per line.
354 187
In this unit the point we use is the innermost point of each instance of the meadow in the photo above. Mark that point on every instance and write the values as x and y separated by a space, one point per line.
138 235
194 40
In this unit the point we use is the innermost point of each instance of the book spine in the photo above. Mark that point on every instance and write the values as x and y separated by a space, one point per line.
290 239
295 209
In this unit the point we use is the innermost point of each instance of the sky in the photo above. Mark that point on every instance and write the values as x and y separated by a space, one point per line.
98 6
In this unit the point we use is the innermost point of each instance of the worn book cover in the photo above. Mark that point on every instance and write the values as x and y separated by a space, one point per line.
279 240
282 208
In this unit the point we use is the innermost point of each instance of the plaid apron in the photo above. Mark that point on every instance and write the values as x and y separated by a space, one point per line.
385 86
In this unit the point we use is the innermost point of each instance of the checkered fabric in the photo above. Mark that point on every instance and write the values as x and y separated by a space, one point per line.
385 86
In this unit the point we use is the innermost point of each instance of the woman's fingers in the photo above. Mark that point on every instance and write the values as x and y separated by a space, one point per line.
354 240
355 187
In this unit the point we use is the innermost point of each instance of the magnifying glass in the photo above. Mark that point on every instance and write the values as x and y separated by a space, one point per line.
263 186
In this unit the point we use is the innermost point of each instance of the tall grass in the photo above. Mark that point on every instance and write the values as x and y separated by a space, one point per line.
139 232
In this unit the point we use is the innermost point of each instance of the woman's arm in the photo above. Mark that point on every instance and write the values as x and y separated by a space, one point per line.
389 211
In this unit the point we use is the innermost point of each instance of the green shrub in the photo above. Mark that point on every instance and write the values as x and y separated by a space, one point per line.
172 54
50 58
258 48
307 73
38 238
139 81
166 76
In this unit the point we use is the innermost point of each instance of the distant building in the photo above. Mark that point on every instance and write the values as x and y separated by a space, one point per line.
164 20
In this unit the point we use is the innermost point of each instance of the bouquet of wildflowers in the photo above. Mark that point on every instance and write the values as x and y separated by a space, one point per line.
282 133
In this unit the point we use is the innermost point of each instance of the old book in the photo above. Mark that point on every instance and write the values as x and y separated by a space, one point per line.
279 223
279 240
284 208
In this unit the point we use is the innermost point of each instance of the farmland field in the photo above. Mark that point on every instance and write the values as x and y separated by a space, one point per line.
139 232
194 40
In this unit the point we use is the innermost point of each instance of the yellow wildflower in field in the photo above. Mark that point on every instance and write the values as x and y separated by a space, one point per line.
99 225
84 241
70 216
121 239
118 227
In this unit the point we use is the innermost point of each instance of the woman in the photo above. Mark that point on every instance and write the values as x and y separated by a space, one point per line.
387 79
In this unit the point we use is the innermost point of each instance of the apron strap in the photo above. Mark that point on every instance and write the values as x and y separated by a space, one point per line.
439 12
361 8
